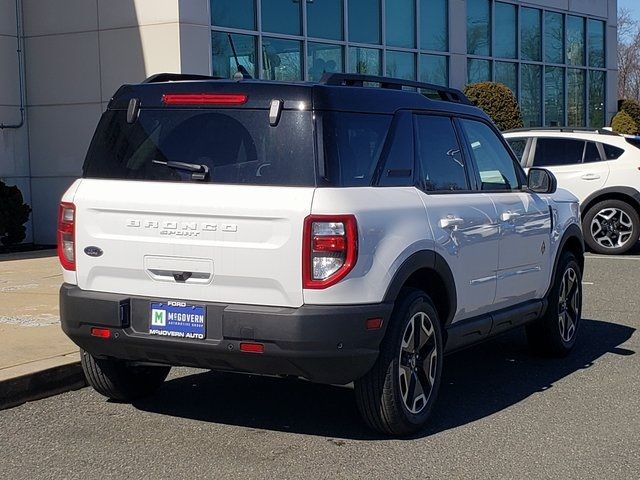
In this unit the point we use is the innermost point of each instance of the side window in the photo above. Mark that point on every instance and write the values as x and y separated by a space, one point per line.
518 145
611 152
591 153
439 153
398 161
558 151
494 163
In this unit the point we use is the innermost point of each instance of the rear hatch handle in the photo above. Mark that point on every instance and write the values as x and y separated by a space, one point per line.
198 171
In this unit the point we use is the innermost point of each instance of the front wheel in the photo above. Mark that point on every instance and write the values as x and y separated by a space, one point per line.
120 380
611 227
397 395
555 333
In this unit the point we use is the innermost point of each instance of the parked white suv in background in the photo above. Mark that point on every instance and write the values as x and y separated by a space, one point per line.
601 168
327 231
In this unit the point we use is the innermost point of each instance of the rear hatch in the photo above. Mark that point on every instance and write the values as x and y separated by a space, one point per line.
230 232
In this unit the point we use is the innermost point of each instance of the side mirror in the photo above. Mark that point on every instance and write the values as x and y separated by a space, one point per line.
540 180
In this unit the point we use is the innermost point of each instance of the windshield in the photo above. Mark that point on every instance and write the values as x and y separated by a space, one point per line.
238 146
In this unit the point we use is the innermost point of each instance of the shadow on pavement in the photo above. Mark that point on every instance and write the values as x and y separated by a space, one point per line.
477 382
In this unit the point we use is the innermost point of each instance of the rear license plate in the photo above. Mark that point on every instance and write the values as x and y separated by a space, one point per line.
178 319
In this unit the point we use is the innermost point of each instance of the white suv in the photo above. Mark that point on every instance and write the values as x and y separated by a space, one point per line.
601 168
327 231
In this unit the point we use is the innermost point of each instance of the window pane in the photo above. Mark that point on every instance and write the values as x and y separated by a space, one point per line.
401 65
612 152
281 16
553 37
281 59
223 61
531 35
478 70
507 74
441 161
591 153
596 43
558 151
434 69
575 97
531 95
518 145
496 167
575 40
596 98
234 13
401 20
325 19
478 28
364 21
364 60
506 35
434 24
353 144
554 96
323 58
398 165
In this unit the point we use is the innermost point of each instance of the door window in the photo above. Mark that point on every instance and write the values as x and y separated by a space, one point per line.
558 151
518 145
591 153
443 167
495 164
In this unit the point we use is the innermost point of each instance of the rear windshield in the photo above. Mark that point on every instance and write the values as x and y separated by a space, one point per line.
238 146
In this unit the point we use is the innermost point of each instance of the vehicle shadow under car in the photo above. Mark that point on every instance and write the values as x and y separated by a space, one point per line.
477 382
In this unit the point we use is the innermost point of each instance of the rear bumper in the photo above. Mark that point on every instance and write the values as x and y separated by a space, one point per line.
326 344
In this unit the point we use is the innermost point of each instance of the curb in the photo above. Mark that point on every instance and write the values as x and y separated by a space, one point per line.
40 384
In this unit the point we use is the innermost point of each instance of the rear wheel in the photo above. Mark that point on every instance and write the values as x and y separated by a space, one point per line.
611 227
120 380
397 395
555 333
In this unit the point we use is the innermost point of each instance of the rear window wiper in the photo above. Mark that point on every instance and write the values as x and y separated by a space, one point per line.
198 171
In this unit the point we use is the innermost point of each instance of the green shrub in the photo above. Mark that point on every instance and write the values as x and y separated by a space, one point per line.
14 213
498 101
623 123
632 107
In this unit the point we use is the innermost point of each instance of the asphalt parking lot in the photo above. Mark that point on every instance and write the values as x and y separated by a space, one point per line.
502 413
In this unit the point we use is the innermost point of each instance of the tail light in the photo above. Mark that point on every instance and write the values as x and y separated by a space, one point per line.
204 99
67 235
330 249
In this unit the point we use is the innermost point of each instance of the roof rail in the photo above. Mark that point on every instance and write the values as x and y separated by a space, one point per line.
600 131
176 77
357 80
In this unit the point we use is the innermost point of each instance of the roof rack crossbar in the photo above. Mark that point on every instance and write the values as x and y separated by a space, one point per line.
357 80
176 77
600 131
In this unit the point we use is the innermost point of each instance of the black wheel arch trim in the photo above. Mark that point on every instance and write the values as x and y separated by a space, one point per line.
572 232
430 260
626 191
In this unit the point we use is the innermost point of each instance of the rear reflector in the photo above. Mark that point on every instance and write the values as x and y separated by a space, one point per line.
204 99
252 347
101 332
374 323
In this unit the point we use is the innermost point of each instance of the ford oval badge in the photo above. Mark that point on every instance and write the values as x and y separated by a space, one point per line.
93 251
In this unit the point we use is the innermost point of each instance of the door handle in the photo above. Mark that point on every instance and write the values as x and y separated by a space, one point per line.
451 222
590 176
508 216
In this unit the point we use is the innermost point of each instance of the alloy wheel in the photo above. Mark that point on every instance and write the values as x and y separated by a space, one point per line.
417 362
612 228
569 304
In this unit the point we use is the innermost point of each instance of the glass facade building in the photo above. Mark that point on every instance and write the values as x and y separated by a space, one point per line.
554 60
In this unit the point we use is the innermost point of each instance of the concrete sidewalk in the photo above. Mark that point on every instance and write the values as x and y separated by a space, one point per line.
36 358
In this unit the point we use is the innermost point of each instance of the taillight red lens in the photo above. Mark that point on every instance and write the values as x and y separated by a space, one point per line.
67 235
330 249
204 99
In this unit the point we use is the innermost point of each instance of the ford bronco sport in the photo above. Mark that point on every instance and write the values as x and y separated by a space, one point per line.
352 230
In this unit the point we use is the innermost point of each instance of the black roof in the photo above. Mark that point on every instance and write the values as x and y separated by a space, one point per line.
337 92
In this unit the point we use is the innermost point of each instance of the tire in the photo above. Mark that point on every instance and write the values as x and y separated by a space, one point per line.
611 227
119 380
555 333
383 395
